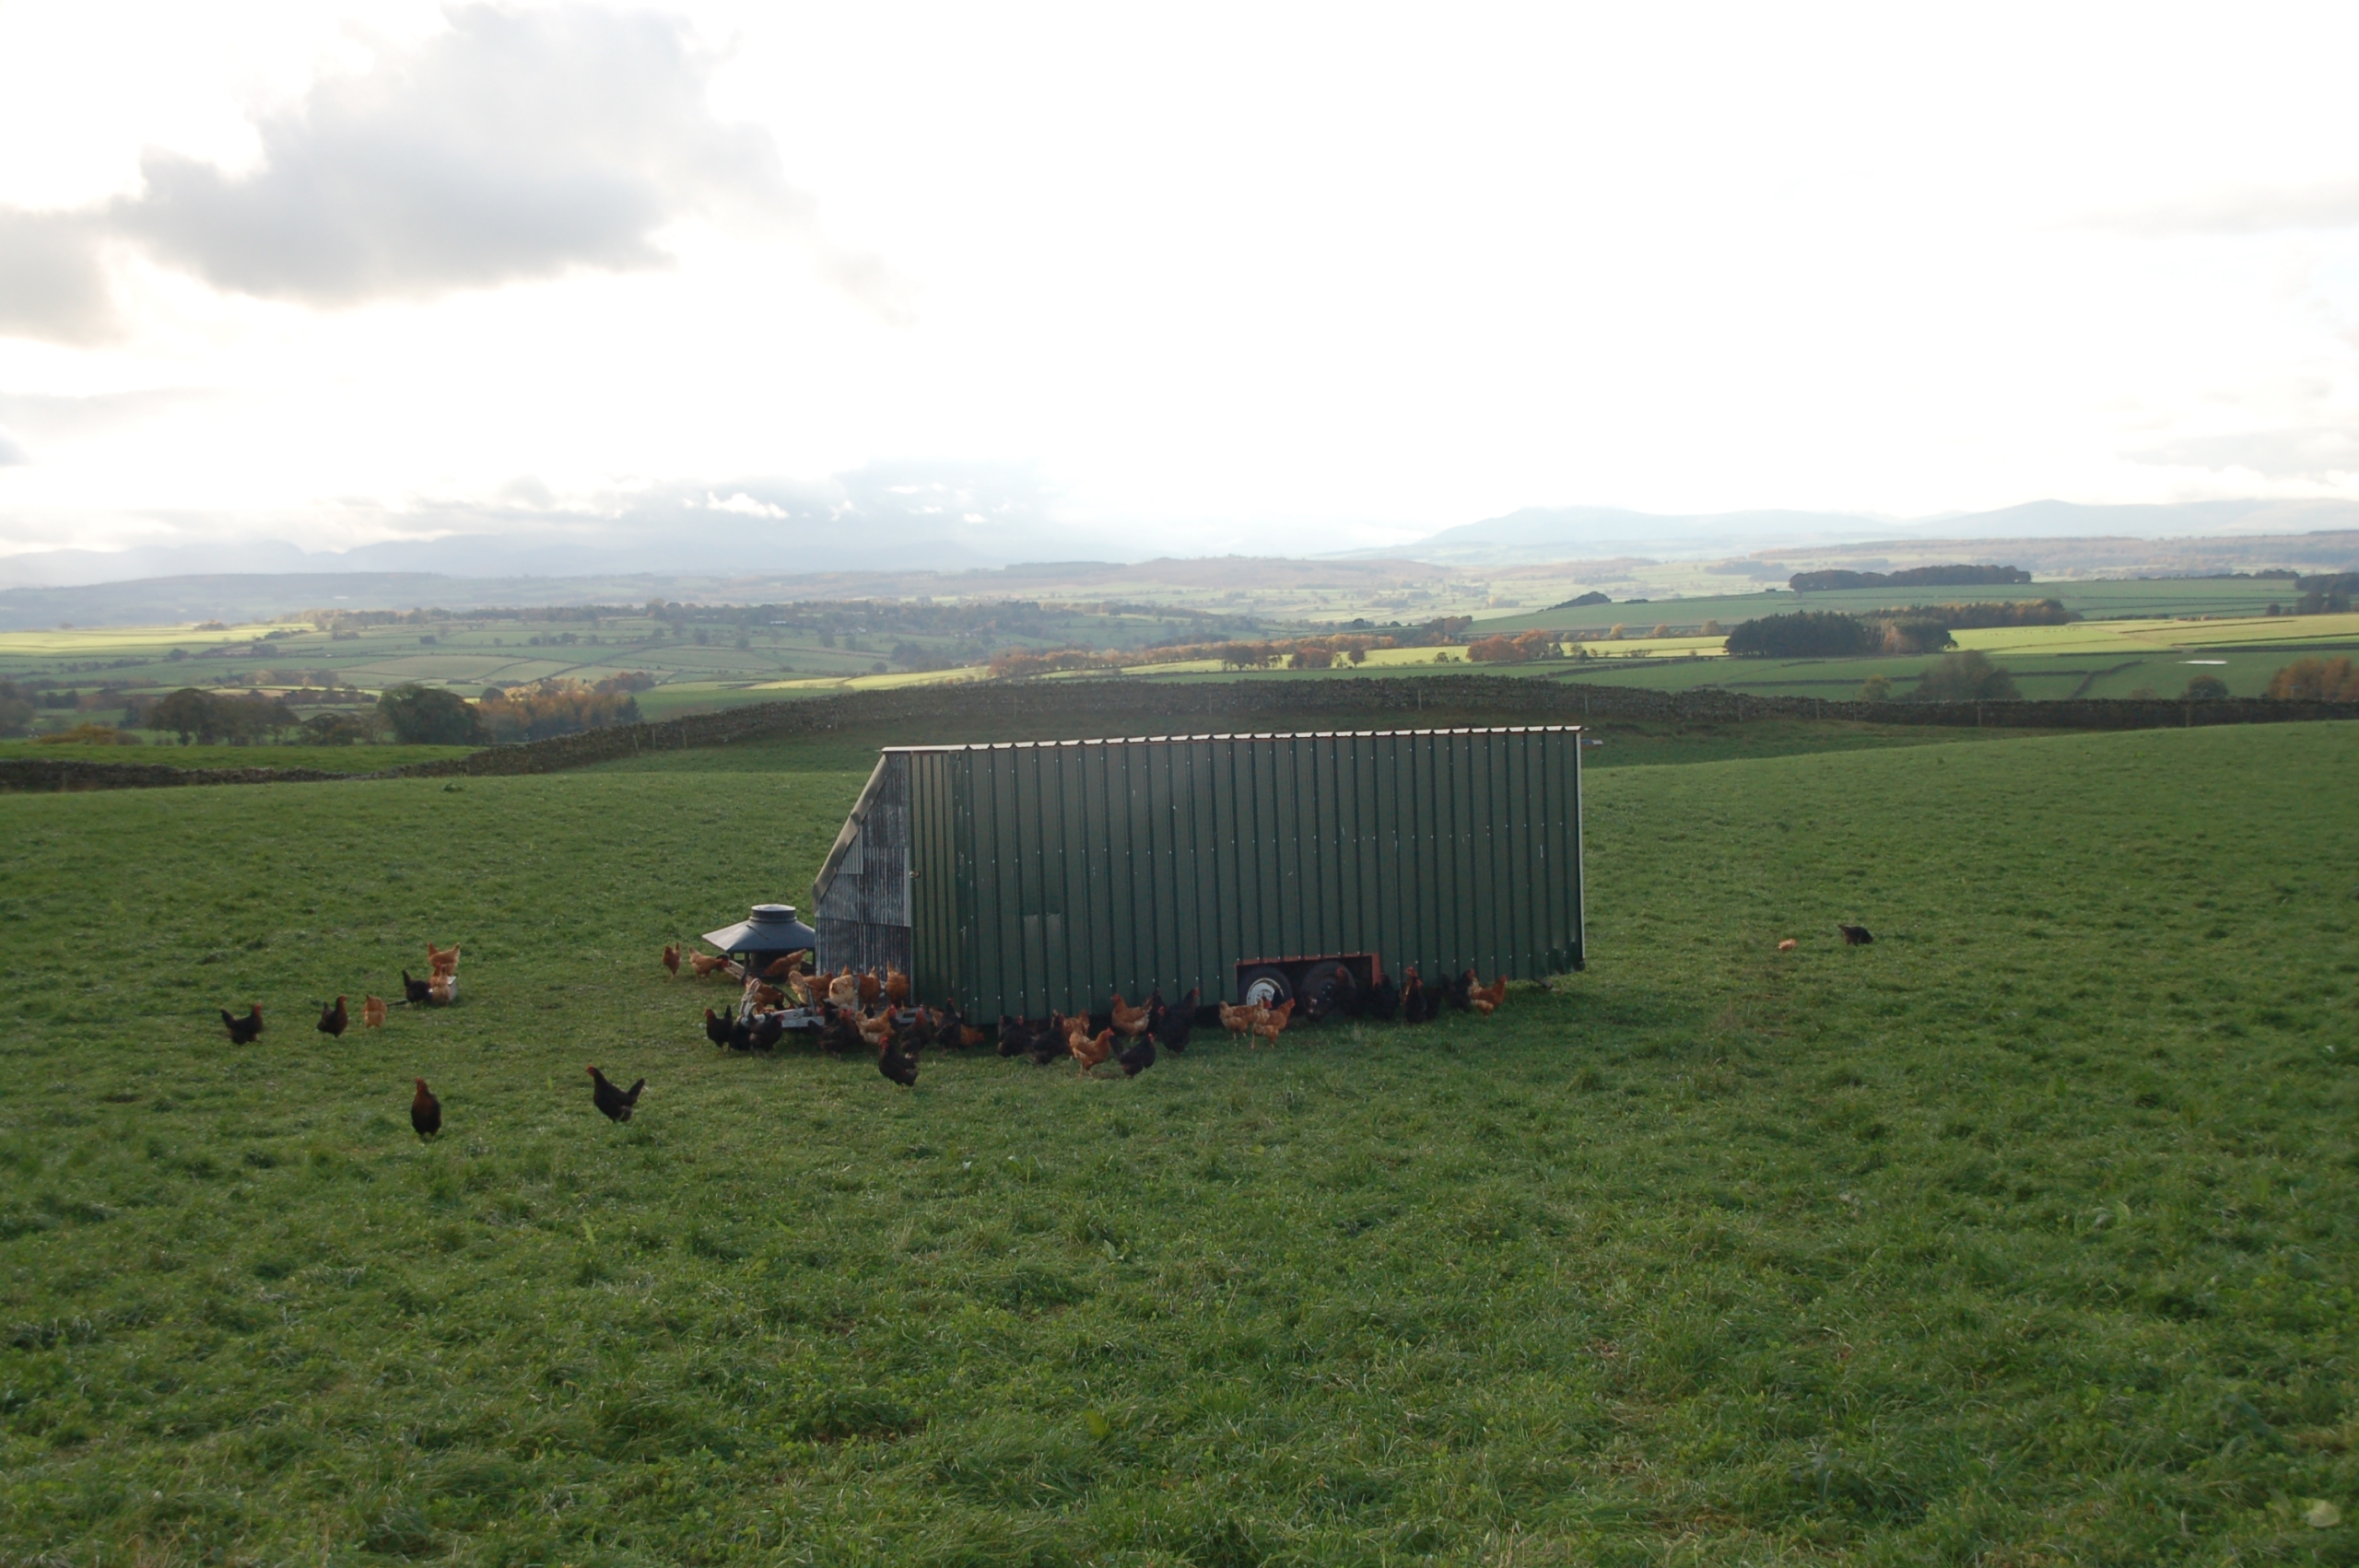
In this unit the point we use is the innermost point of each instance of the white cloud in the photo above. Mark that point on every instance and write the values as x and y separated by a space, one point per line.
513 145
2249 210
744 505
2327 454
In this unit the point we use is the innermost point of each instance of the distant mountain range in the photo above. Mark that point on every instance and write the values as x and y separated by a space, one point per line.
880 518
1556 534
927 537
254 596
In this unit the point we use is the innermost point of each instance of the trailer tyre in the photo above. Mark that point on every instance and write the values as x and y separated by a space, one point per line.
1330 987
1265 987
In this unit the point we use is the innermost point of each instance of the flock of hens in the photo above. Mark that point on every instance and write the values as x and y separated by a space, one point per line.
440 988
869 1012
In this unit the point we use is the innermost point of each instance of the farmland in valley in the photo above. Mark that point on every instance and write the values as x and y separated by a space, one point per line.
2139 638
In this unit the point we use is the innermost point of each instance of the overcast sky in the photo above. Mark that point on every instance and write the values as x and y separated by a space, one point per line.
1200 278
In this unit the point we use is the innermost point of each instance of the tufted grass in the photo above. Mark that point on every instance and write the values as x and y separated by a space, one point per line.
2024 1235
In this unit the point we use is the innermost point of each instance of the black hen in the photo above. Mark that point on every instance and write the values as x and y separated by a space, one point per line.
1171 1028
1455 990
1136 1057
335 1020
896 1063
839 1035
1014 1039
716 1028
425 1110
1384 1001
617 1104
950 1030
1855 936
1418 1005
766 1031
1046 1045
415 992
243 1030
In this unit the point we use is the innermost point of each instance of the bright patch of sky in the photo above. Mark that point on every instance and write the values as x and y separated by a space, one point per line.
1203 278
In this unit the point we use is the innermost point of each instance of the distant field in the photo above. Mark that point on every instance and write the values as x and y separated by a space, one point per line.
2105 658
2029 1234
2094 598
697 664
1619 743
86 676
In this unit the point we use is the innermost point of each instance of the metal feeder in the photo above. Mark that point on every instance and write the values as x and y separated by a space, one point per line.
768 934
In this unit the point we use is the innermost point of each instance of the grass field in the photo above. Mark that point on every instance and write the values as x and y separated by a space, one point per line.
697 664
2114 658
2024 1235
2096 598
1615 743
2101 659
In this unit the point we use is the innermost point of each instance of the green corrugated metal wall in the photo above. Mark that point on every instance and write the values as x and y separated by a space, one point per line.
1050 876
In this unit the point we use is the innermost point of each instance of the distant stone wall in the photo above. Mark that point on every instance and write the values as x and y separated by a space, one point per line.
1143 708
41 773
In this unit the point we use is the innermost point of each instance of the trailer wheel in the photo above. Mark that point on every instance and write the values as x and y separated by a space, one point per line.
1330 987
1265 987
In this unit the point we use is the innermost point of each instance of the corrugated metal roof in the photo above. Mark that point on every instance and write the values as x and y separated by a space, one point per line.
1239 735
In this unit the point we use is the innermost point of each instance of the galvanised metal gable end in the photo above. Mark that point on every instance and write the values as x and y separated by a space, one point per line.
860 900
1047 876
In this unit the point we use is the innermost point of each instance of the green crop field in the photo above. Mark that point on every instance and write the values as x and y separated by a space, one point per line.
2028 1234
2101 659
2096 598
699 660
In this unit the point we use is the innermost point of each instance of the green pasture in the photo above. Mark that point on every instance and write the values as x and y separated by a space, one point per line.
2101 659
2098 599
1615 743
696 665
2025 1234
2146 656
462 652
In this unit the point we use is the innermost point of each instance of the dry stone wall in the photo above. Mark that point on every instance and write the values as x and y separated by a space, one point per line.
43 773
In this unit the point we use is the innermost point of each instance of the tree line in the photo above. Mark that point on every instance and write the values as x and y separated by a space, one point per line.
1959 575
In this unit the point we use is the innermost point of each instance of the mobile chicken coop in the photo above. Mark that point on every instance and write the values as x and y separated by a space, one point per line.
1030 877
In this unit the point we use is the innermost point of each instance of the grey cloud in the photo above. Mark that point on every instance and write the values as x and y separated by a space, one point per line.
52 283
514 146
2256 210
